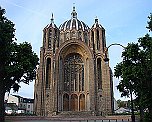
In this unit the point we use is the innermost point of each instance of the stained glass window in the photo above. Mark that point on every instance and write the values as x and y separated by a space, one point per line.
73 73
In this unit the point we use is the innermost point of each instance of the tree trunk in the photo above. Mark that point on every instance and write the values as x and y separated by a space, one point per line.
150 113
141 114
2 108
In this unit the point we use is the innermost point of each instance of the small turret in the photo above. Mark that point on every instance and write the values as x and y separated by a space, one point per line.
98 36
51 35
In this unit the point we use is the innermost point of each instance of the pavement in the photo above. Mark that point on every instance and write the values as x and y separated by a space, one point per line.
69 119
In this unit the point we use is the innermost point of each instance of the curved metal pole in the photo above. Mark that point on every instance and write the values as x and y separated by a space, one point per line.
116 44
106 59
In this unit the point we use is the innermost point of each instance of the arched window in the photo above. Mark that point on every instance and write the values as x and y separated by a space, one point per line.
99 73
50 38
98 40
73 73
86 38
92 39
103 39
55 40
48 72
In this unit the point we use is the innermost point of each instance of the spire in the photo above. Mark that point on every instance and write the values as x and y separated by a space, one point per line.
52 19
74 13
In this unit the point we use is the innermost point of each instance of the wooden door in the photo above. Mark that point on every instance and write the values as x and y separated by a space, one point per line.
74 102
82 102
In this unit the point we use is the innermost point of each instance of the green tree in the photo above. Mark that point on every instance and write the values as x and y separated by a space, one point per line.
149 22
135 71
17 61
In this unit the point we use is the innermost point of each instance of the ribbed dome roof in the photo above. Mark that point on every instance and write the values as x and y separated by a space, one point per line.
73 23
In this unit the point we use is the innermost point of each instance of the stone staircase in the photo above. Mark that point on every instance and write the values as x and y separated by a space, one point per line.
74 114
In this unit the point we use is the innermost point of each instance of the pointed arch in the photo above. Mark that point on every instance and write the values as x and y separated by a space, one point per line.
98 40
78 52
82 102
99 73
74 102
65 102
48 72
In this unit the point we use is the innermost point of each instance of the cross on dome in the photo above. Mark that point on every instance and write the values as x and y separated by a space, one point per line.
74 13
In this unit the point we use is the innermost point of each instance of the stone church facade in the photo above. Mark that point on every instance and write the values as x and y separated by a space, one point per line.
72 75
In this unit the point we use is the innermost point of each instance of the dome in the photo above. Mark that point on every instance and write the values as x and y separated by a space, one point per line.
73 23
51 25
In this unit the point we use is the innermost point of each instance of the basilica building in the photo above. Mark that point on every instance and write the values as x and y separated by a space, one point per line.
72 77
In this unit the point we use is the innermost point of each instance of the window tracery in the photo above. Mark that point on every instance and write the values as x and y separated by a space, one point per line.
73 73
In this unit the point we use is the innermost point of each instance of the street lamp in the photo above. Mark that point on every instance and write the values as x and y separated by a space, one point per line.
106 59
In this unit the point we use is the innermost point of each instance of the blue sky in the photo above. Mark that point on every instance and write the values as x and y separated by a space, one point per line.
124 21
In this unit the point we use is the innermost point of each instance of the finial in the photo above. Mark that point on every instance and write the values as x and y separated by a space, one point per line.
74 14
96 19
52 19
73 6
